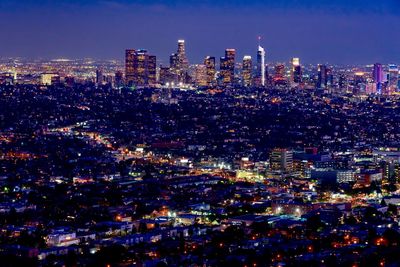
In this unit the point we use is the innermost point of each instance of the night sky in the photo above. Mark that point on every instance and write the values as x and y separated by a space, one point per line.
341 31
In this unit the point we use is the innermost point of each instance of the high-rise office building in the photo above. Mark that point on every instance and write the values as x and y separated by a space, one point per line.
183 61
227 67
343 82
119 79
295 61
99 77
166 76
247 69
260 75
378 77
322 82
296 73
329 77
393 78
281 160
179 64
209 62
200 75
152 70
129 66
267 77
359 83
173 61
279 75
140 68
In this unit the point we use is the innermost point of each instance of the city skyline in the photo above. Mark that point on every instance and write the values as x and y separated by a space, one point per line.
326 32
163 60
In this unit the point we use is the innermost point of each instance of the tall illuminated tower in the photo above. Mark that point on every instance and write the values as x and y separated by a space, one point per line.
152 70
281 160
246 71
378 77
200 75
129 66
296 70
279 75
99 77
140 68
322 77
179 63
393 78
183 61
261 64
119 79
209 62
227 67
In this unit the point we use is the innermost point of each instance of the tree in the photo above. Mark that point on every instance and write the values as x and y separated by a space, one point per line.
142 227
392 209
260 227
112 255
314 222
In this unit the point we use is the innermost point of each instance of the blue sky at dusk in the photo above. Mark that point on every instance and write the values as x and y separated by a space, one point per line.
352 31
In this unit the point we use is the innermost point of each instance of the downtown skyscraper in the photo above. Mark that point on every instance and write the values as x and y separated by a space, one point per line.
322 82
140 68
296 72
129 66
247 69
378 77
209 62
227 68
393 78
260 76
179 64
